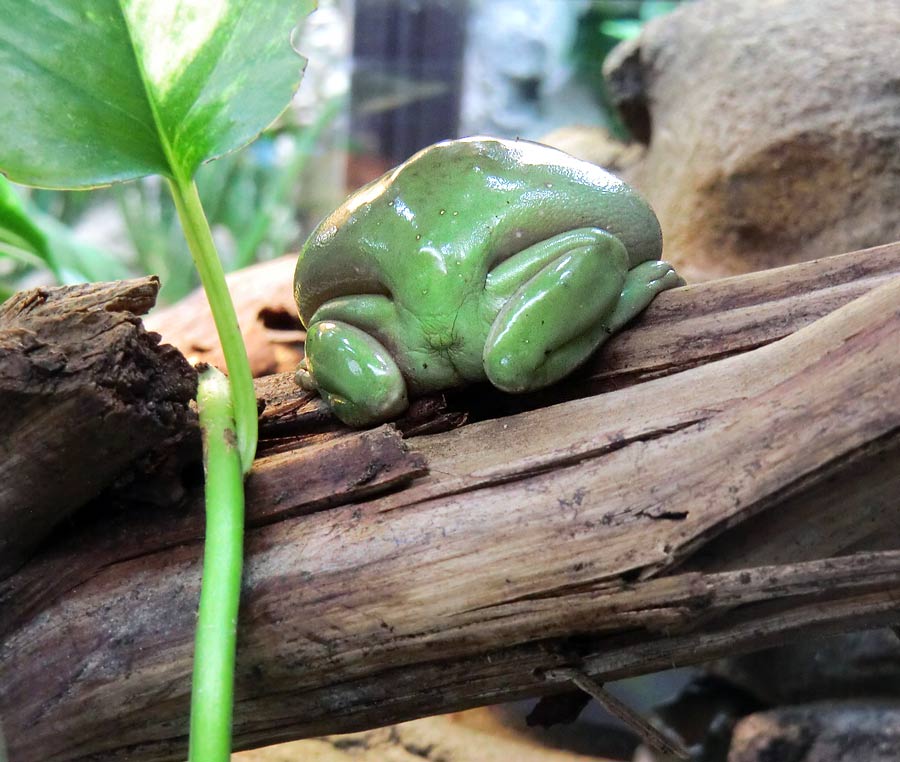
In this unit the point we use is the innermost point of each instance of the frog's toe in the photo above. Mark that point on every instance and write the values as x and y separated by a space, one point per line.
642 284
659 274
303 378
654 275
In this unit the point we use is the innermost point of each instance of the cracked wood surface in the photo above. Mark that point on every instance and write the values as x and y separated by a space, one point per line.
77 366
597 532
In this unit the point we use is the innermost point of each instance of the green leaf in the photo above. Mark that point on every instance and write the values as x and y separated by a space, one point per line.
77 261
651 9
36 239
99 91
621 29
19 232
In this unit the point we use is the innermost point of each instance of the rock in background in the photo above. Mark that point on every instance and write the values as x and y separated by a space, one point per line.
771 129
828 732
839 667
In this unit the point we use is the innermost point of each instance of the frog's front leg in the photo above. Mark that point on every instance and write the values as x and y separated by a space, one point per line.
352 370
562 298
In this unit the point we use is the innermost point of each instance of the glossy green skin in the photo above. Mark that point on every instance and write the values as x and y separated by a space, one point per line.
476 259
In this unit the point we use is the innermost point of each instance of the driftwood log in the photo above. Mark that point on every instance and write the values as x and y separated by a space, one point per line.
85 393
736 488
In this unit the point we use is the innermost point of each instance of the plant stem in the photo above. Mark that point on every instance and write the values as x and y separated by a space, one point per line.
203 250
212 689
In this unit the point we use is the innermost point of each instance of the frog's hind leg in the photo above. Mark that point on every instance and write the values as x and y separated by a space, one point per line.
642 284
351 368
559 313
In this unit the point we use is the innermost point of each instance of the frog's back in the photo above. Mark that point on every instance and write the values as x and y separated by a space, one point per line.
476 199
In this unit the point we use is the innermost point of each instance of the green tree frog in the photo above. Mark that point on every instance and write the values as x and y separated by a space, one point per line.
476 259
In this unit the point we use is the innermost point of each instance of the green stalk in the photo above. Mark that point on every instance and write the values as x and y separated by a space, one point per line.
212 689
203 250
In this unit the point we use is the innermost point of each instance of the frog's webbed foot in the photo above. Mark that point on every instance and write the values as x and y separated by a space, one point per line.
562 298
642 284
351 369
565 290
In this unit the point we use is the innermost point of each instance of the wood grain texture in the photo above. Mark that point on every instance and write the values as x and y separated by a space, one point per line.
589 533
85 394
281 485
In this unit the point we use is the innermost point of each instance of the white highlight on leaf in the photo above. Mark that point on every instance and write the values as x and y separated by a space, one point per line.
169 34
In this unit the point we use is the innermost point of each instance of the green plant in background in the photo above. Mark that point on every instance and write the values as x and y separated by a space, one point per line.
248 197
21 241
622 26
103 91
604 25
31 241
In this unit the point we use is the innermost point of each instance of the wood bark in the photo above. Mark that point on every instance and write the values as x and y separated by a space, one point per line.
85 393
806 165
747 498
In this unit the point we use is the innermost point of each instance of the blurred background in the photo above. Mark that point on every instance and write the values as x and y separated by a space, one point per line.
765 133
385 78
